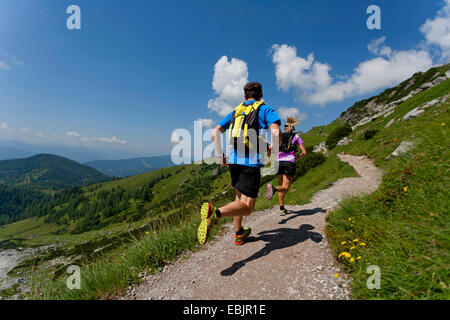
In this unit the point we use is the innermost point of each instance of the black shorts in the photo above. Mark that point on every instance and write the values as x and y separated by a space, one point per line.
246 180
286 167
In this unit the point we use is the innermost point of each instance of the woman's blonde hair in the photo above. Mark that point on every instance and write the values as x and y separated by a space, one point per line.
291 123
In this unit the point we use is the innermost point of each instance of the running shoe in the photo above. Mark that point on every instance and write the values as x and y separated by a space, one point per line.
240 240
209 219
269 191
283 212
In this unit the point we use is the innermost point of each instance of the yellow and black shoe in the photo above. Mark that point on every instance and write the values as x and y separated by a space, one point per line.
208 214
239 240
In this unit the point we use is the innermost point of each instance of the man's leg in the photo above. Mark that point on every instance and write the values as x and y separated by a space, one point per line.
237 219
243 207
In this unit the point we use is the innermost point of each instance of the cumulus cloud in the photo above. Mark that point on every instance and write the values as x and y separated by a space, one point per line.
3 125
377 47
230 77
207 123
312 83
437 31
285 112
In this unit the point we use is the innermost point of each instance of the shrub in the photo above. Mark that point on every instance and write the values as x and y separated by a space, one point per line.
311 160
337 134
369 134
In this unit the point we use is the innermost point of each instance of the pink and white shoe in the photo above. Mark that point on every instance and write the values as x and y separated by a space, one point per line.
269 191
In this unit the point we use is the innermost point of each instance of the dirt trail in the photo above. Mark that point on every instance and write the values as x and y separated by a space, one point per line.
285 258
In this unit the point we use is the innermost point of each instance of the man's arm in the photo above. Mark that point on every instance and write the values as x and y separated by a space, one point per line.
276 138
216 136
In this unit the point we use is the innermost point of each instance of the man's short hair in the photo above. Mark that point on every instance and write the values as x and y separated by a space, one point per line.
253 90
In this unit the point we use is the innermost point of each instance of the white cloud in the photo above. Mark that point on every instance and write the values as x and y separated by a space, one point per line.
73 134
3 125
207 123
4 65
437 31
229 80
114 139
377 47
285 112
313 84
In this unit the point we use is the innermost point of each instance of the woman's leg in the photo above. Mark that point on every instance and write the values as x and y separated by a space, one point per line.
285 184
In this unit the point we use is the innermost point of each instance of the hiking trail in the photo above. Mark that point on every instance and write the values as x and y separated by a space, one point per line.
286 257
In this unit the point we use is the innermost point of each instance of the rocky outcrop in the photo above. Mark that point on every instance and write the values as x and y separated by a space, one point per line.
417 111
322 148
344 141
372 110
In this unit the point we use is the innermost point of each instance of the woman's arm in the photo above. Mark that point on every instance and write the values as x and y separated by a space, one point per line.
303 149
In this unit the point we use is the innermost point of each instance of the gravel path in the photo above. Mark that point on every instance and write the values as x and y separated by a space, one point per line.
285 257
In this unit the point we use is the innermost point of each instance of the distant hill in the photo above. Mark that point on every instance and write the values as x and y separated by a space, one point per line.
130 167
47 171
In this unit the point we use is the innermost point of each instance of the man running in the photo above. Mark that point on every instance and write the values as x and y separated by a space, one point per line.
243 161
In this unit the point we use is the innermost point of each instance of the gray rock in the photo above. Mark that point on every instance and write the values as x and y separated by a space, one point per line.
390 123
413 114
439 80
404 147
344 141
322 148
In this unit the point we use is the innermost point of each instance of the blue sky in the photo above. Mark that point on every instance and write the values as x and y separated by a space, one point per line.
139 69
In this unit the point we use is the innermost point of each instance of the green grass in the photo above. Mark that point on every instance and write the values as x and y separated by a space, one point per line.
406 232
405 224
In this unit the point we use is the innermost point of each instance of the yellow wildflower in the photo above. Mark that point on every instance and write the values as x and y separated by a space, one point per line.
147 233
443 124
405 189
359 257
349 219
356 240
352 248
336 275
362 244
345 254
343 242
352 260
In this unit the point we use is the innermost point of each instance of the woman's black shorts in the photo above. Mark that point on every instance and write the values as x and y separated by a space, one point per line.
286 167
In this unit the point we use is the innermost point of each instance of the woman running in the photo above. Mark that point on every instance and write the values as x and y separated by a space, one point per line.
287 162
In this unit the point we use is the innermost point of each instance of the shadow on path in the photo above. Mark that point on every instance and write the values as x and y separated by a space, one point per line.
295 214
276 239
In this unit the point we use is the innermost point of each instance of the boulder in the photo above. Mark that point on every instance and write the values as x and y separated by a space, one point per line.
322 148
404 147
344 141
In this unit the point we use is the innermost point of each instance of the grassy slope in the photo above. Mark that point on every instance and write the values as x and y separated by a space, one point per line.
405 224
109 273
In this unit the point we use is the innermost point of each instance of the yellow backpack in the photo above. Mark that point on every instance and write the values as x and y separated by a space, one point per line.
244 117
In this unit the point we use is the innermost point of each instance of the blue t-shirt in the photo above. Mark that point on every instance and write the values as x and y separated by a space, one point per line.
267 116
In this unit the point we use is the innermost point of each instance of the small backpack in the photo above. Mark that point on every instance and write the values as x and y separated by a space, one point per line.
286 143
244 117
